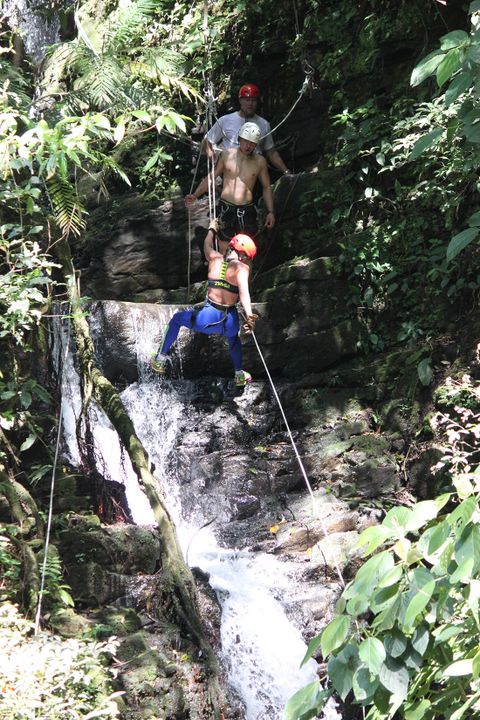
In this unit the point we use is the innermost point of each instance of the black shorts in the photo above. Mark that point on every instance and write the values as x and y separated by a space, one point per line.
235 219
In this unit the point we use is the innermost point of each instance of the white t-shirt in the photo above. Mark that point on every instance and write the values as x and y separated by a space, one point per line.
224 134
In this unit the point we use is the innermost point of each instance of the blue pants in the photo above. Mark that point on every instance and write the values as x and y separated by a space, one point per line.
209 321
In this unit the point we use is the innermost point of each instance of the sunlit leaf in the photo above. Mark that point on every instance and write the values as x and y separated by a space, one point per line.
453 39
450 64
373 537
334 635
425 142
426 67
306 703
460 241
459 668
372 653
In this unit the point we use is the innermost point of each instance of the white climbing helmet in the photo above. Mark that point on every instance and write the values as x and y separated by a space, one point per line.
250 131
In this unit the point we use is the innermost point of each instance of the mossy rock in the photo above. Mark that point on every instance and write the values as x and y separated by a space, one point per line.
69 624
119 621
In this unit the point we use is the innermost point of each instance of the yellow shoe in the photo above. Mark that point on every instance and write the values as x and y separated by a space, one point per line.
159 366
242 377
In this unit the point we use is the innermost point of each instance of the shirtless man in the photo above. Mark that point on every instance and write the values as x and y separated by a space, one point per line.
240 168
228 275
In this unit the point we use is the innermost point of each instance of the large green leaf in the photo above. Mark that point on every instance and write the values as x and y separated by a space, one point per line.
313 645
372 653
418 710
450 64
468 546
306 703
425 375
384 598
397 519
453 39
463 513
464 571
334 635
369 574
471 130
364 685
422 513
421 639
342 668
387 618
391 577
459 85
373 537
395 643
460 241
425 142
424 585
426 67
394 677
474 220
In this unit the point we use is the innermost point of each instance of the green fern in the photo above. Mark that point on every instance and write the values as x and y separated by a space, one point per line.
130 24
67 210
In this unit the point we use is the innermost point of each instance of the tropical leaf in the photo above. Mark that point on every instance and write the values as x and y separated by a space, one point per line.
68 212
460 241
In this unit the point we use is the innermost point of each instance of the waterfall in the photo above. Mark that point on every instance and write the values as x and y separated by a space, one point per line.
37 28
261 648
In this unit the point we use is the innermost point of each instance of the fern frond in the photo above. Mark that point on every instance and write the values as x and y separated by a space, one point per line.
103 83
164 67
77 57
130 24
111 165
67 210
17 87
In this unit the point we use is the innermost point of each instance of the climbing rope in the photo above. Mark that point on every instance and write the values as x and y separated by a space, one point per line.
297 455
209 99
52 487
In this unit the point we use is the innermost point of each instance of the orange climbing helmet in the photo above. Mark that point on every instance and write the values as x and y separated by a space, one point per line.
249 91
244 243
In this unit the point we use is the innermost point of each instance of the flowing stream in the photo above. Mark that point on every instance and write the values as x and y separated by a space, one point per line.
261 648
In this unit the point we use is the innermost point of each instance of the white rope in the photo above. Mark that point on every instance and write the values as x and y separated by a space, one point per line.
52 487
301 93
299 459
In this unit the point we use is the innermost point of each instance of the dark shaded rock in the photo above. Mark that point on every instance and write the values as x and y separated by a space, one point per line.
125 549
147 250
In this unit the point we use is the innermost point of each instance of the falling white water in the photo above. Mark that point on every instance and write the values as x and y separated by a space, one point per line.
38 27
261 648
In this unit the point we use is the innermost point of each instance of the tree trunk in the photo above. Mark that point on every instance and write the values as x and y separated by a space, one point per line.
178 587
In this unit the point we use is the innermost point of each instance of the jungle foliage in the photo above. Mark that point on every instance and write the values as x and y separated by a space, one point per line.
114 114
404 641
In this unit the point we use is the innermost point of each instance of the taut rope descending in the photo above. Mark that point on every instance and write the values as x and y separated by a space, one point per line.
63 362
297 455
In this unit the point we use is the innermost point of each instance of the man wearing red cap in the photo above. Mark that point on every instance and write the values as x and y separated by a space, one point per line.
224 133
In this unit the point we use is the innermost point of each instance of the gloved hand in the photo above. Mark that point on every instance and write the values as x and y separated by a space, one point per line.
249 325
214 225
